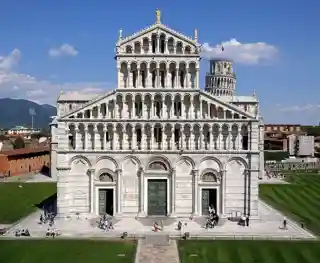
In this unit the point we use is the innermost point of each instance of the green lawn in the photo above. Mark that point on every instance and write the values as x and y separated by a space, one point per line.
299 200
240 251
66 251
17 202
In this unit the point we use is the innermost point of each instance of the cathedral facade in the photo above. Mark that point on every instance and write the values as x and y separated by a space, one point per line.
158 145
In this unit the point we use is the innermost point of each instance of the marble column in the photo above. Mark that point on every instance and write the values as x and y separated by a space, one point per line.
115 139
197 79
91 173
141 190
177 79
86 138
223 192
195 192
134 138
105 143
172 146
119 181
78 140
97 141
173 191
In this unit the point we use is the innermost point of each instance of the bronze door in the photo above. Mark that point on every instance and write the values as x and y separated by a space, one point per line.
157 197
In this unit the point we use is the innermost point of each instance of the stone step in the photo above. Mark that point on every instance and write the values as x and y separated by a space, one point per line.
160 239
150 253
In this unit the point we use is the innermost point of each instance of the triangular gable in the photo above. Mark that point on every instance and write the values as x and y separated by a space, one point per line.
227 105
99 98
162 27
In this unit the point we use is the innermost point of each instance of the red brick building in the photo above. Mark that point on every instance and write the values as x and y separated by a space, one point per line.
24 161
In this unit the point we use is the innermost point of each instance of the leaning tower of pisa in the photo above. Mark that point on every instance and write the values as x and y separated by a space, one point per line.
221 79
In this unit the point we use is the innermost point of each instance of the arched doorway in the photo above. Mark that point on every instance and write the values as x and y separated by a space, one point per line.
210 192
106 194
157 189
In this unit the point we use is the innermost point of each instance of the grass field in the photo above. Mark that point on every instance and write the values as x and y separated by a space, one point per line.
299 200
240 251
17 202
66 251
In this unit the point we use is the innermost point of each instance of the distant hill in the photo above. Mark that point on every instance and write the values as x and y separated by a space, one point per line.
15 112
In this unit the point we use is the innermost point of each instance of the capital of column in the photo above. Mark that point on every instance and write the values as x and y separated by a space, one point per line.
91 171
195 172
140 171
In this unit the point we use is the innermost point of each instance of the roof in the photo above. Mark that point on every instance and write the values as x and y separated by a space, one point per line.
279 125
76 96
160 26
25 151
251 99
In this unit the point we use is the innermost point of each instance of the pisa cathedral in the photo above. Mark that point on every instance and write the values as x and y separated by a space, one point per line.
158 145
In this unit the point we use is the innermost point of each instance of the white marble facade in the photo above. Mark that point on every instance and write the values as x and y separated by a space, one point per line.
157 125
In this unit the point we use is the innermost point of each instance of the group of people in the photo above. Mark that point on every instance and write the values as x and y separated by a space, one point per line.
213 218
46 217
22 233
51 232
244 221
105 223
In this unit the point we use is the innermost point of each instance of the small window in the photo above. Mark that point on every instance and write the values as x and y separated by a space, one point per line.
70 106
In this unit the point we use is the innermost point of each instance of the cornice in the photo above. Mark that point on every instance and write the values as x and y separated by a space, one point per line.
177 152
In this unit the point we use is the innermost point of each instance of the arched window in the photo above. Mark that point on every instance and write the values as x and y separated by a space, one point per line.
105 177
128 49
157 165
209 177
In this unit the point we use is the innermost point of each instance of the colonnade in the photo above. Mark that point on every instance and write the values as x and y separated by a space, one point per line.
157 106
158 74
158 136
159 44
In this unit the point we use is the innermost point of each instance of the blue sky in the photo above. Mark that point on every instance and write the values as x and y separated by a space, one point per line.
284 70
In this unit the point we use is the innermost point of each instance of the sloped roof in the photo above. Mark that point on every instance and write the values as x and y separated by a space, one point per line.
94 100
25 151
76 96
158 26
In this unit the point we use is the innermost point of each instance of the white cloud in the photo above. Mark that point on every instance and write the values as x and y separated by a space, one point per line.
10 61
242 53
63 51
19 85
301 108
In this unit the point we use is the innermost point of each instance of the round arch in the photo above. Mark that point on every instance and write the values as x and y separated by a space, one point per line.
239 159
206 158
188 159
159 158
136 159
79 157
103 171
108 158
215 173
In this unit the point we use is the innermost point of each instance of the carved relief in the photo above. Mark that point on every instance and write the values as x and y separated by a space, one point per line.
107 178
210 177
157 166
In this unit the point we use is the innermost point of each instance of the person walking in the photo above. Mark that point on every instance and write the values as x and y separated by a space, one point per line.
285 223
247 220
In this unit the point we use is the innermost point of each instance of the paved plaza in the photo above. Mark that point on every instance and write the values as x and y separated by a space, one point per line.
267 226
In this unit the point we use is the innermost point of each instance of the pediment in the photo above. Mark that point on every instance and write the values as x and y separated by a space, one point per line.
104 98
158 29
226 106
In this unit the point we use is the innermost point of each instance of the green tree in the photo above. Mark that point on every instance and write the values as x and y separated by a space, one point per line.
18 143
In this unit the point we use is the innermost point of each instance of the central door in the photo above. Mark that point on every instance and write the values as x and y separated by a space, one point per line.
157 197
106 201
209 198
